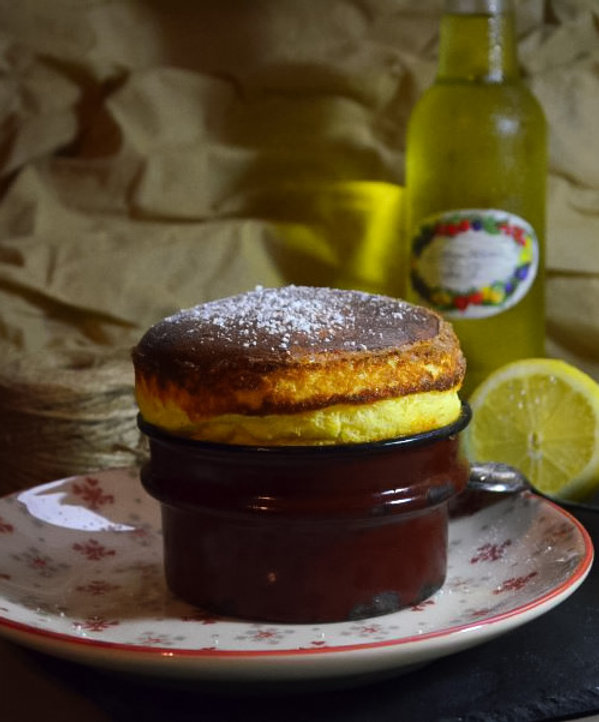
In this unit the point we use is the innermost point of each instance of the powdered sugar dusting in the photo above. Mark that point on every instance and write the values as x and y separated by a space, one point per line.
281 319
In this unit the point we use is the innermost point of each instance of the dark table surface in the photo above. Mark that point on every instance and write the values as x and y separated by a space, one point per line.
545 670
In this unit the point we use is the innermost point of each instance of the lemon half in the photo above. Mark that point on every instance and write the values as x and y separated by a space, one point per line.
541 416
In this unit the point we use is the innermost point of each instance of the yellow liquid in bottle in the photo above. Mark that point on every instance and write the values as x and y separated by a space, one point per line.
477 140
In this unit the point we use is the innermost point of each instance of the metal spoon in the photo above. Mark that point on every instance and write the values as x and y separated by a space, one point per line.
505 479
502 478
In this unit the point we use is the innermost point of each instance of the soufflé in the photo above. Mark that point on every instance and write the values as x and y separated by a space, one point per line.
303 447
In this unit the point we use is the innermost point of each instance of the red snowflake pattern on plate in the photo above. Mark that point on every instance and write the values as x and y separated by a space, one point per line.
260 635
39 562
93 550
96 624
476 614
514 584
42 564
490 552
91 493
369 630
151 639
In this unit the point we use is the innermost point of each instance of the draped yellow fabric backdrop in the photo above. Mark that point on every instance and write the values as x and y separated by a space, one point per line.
159 153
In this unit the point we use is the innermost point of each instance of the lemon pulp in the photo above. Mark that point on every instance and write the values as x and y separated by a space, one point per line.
542 416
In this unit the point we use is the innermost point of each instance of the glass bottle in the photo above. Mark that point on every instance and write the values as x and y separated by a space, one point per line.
475 191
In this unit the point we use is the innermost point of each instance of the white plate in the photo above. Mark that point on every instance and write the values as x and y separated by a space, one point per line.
81 578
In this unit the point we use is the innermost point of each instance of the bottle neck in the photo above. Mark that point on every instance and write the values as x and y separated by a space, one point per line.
478 42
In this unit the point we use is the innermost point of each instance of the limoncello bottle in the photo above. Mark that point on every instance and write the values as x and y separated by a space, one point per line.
475 191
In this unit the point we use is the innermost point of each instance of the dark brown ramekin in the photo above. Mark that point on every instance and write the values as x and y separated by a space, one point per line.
306 534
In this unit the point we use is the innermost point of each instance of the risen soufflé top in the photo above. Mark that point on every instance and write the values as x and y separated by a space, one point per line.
290 350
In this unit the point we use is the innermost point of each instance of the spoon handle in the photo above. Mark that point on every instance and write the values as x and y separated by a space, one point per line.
497 477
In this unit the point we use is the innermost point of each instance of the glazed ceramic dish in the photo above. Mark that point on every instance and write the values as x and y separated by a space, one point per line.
81 578
306 534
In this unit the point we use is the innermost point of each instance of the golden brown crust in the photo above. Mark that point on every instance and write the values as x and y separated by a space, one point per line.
295 349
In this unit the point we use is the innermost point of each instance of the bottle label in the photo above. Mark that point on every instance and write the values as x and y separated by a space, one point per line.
473 263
